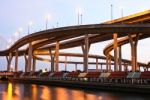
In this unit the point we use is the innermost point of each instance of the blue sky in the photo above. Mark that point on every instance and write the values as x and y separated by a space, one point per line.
17 13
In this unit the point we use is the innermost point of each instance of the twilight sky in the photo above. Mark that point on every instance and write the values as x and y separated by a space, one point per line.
17 13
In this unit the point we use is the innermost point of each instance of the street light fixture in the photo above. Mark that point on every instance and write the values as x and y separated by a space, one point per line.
9 41
29 25
81 19
78 18
57 24
47 18
111 12
79 12
121 8
7 46
15 35
19 31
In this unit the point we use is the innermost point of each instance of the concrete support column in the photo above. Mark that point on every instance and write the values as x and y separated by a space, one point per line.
85 50
125 67
30 57
65 63
120 59
52 63
57 57
96 63
16 61
76 67
9 59
26 63
101 66
52 60
145 69
34 65
133 43
109 64
115 35
138 67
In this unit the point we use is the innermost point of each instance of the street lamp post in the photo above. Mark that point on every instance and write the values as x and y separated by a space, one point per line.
81 19
79 14
47 17
29 25
7 46
122 14
111 12
19 31
78 17
16 34
9 43
57 24
46 23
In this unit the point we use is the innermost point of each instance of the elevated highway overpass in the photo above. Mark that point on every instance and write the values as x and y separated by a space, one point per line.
81 35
